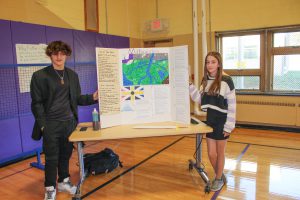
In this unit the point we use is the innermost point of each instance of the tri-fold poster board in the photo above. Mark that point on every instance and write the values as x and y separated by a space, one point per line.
143 85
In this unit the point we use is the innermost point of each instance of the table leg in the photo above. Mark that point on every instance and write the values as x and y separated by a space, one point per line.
197 163
77 195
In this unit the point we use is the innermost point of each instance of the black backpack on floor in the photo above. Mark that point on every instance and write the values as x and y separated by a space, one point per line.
104 161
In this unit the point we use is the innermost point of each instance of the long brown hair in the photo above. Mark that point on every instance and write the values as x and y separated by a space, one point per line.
216 85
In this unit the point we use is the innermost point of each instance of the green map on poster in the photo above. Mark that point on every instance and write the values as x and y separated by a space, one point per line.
146 69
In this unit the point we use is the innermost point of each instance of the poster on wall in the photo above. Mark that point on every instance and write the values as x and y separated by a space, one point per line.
143 85
29 54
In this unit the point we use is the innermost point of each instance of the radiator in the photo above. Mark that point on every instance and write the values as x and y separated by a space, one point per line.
269 110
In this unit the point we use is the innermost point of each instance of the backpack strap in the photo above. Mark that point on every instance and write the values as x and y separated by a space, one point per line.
120 164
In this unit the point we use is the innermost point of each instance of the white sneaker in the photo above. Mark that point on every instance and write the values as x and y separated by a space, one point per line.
224 178
217 185
50 193
66 186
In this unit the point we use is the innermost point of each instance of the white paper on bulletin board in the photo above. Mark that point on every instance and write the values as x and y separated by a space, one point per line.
29 54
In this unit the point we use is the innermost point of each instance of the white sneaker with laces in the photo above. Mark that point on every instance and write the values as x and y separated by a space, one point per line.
50 193
66 186
217 185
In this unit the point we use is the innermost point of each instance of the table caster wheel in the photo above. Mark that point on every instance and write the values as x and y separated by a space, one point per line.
190 167
207 189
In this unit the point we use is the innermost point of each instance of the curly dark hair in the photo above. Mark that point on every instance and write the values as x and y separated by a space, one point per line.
56 46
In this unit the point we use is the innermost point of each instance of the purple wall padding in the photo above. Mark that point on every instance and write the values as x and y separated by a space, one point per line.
10 142
112 41
85 113
23 33
26 123
85 52
8 103
8 93
6 55
84 46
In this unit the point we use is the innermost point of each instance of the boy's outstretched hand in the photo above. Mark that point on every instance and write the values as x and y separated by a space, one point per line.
95 95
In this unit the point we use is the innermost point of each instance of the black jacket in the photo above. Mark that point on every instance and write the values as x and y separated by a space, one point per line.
42 94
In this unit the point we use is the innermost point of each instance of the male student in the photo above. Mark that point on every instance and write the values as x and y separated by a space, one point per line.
55 93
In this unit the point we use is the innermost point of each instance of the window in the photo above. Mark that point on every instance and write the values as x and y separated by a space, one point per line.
242 58
241 52
266 60
246 82
287 39
286 61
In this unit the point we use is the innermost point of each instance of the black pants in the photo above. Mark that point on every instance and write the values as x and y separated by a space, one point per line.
57 150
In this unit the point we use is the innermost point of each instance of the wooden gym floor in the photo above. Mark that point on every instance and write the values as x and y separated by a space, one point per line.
260 164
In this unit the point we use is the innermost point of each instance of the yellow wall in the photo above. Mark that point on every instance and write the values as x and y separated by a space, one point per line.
117 17
178 13
102 17
222 14
242 14
122 15
58 13
127 17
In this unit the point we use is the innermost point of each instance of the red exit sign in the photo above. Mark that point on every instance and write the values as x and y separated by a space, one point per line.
156 25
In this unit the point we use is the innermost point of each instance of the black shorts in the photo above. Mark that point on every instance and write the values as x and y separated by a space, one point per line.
216 120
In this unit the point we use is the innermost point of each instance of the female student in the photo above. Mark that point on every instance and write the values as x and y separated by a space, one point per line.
217 97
